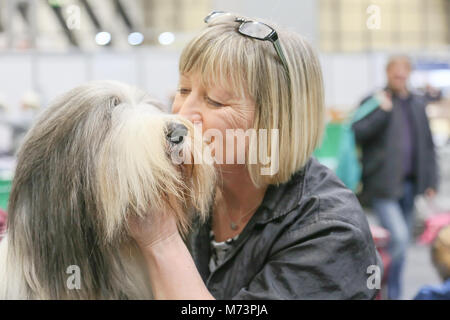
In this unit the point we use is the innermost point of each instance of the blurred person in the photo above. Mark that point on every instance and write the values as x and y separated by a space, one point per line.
440 256
432 93
398 160
19 121
294 233
5 130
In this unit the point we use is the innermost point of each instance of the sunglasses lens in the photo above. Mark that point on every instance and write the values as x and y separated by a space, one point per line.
255 29
214 15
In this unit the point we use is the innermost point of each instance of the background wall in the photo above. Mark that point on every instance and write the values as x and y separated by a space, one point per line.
348 77
36 55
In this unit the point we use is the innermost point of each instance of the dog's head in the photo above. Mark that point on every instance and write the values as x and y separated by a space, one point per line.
99 153
147 157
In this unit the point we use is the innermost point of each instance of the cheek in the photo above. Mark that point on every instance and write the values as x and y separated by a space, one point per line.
239 118
213 121
250 117
232 120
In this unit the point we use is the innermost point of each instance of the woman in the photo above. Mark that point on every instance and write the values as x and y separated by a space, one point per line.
295 233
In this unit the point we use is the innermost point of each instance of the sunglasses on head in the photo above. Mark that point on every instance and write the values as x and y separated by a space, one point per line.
256 30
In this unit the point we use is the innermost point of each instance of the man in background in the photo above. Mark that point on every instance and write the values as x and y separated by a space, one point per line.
398 160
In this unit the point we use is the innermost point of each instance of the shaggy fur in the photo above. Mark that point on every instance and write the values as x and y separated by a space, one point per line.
97 155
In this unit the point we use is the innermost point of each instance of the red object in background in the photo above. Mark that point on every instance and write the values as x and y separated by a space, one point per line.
3 217
432 226
381 239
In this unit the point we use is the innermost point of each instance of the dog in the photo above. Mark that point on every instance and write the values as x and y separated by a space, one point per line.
99 154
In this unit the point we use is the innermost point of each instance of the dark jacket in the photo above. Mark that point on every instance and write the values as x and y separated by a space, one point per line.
380 136
309 239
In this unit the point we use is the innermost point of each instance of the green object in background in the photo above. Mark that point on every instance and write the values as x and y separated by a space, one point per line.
331 141
5 189
366 108
328 152
55 3
338 150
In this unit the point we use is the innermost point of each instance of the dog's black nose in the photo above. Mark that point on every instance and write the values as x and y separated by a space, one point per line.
176 132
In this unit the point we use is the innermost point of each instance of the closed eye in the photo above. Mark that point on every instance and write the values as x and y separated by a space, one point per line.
184 91
214 103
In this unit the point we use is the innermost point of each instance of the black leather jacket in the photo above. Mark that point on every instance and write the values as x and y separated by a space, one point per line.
309 239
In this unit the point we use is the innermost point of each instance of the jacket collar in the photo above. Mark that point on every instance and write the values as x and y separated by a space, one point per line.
281 199
278 201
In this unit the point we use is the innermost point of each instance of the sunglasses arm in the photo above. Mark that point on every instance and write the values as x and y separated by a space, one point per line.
277 46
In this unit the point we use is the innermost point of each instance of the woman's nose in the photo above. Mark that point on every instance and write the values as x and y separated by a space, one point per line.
190 109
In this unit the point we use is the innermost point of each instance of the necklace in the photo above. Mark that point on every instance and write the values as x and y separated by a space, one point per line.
234 225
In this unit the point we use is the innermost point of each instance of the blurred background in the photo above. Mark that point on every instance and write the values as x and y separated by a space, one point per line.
48 47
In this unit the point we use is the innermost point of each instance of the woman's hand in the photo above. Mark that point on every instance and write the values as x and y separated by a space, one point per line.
153 228
168 260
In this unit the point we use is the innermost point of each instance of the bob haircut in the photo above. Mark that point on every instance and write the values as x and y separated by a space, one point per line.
292 103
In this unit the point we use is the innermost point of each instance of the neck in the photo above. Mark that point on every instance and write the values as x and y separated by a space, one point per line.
238 193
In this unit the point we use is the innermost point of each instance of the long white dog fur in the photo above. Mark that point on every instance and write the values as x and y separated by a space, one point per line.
97 155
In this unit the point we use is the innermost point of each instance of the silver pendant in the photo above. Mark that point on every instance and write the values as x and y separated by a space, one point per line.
233 226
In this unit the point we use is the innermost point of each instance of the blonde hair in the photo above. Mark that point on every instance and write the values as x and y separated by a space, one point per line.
292 103
440 252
